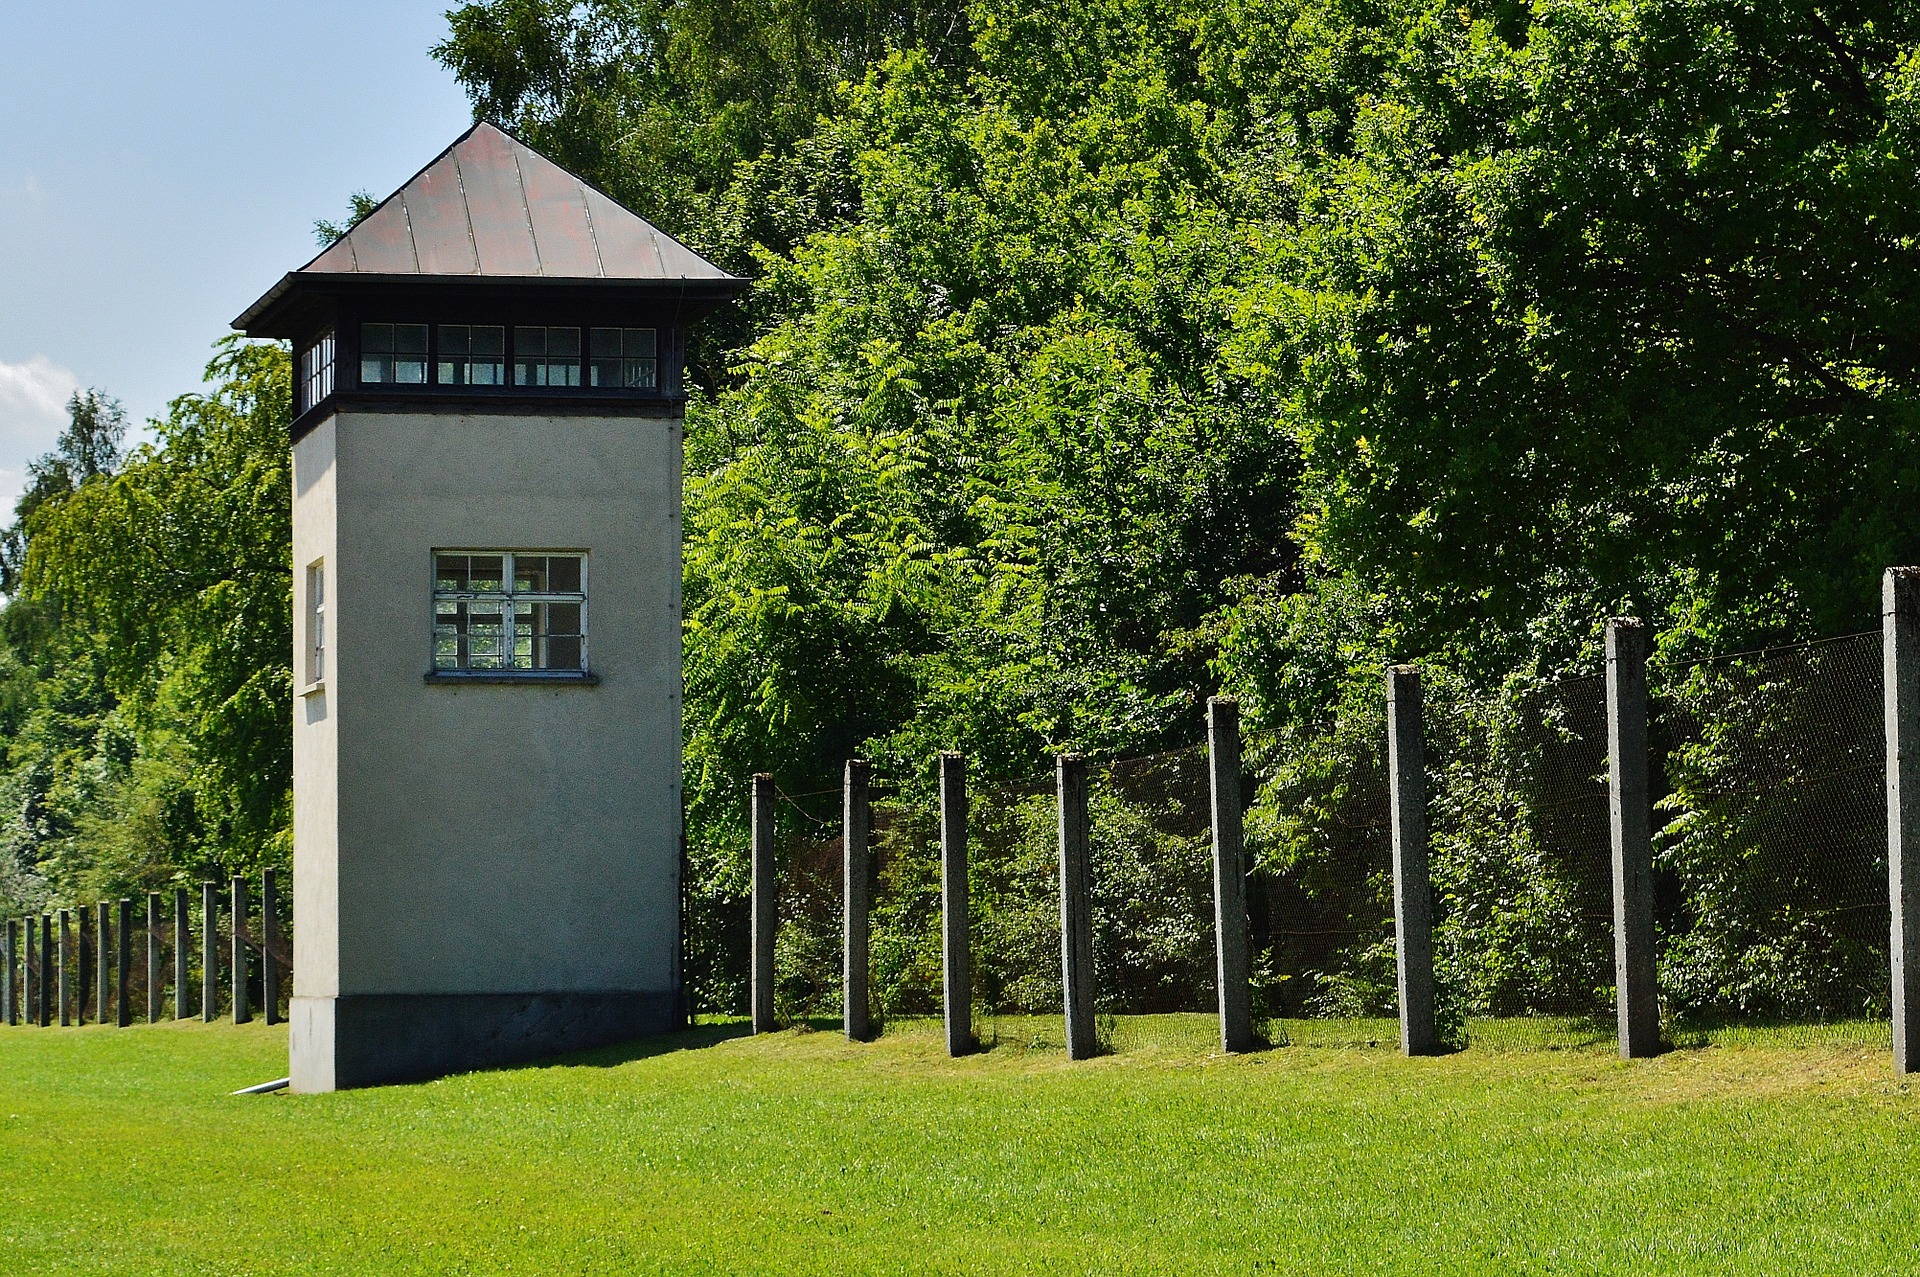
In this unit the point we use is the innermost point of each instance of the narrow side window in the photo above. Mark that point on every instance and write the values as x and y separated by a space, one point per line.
316 621
316 373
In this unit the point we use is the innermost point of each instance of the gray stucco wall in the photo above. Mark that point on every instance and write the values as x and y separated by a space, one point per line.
518 839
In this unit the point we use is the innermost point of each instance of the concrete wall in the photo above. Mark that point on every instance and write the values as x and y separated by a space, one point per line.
502 859
315 741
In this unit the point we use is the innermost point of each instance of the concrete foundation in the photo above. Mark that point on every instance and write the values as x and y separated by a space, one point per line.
372 1039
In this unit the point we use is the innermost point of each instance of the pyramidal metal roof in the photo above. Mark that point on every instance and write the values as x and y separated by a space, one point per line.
492 207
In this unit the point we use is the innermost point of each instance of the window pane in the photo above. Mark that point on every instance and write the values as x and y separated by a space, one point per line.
640 343
563 573
563 653
489 339
529 342
486 634
375 369
530 573
640 374
454 339
604 372
563 343
606 341
376 338
410 372
450 572
562 618
410 339
485 573
452 372
523 636
488 373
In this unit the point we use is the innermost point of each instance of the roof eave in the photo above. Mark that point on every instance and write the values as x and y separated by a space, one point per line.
267 316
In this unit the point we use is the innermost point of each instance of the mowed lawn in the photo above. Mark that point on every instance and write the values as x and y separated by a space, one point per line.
121 1152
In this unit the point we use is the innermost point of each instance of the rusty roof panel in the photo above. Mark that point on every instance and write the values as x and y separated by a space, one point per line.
339 256
382 244
677 261
560 225
437 212
496 205
628 246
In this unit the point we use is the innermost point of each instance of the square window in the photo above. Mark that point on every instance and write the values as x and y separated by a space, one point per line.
393 354
546 356
471 355
625 358
508 611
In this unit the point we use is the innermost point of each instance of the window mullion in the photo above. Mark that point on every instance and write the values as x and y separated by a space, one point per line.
508 637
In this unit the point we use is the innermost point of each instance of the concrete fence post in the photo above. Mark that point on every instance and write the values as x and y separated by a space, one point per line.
13 963
956 935
182 937
209 952
242 1010
122 936
155 975
1076 908
29 972
1630 814
47 977
1232 969
856 887
1900 664
1412 883
269 938
766 891
66 947
82 972
102 970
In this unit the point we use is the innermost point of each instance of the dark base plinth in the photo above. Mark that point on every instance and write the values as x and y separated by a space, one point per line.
372 1039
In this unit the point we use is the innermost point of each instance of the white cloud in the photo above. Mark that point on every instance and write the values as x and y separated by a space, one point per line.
33 410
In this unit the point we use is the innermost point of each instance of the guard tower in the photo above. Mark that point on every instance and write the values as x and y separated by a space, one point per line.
486 539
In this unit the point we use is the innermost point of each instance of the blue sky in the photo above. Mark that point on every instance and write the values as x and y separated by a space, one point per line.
161 164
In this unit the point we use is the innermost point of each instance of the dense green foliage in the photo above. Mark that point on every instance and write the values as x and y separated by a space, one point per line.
148 689
1106 353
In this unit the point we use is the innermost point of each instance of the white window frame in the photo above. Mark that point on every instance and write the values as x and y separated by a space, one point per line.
507 596
316 625
316 371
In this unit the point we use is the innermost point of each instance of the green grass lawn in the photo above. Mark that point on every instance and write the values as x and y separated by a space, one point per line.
121 1152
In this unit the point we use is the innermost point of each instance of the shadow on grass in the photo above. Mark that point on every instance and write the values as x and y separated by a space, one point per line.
698 1038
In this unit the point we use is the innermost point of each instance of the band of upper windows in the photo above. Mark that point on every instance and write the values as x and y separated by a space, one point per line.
395 354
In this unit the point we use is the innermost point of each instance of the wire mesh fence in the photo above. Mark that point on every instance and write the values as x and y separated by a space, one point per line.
1013 886
1151 880
1771 906
1522 866
151 987
1320 906
806 950
1772 862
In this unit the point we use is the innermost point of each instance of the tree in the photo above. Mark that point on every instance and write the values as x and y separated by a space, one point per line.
88 449
180 566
